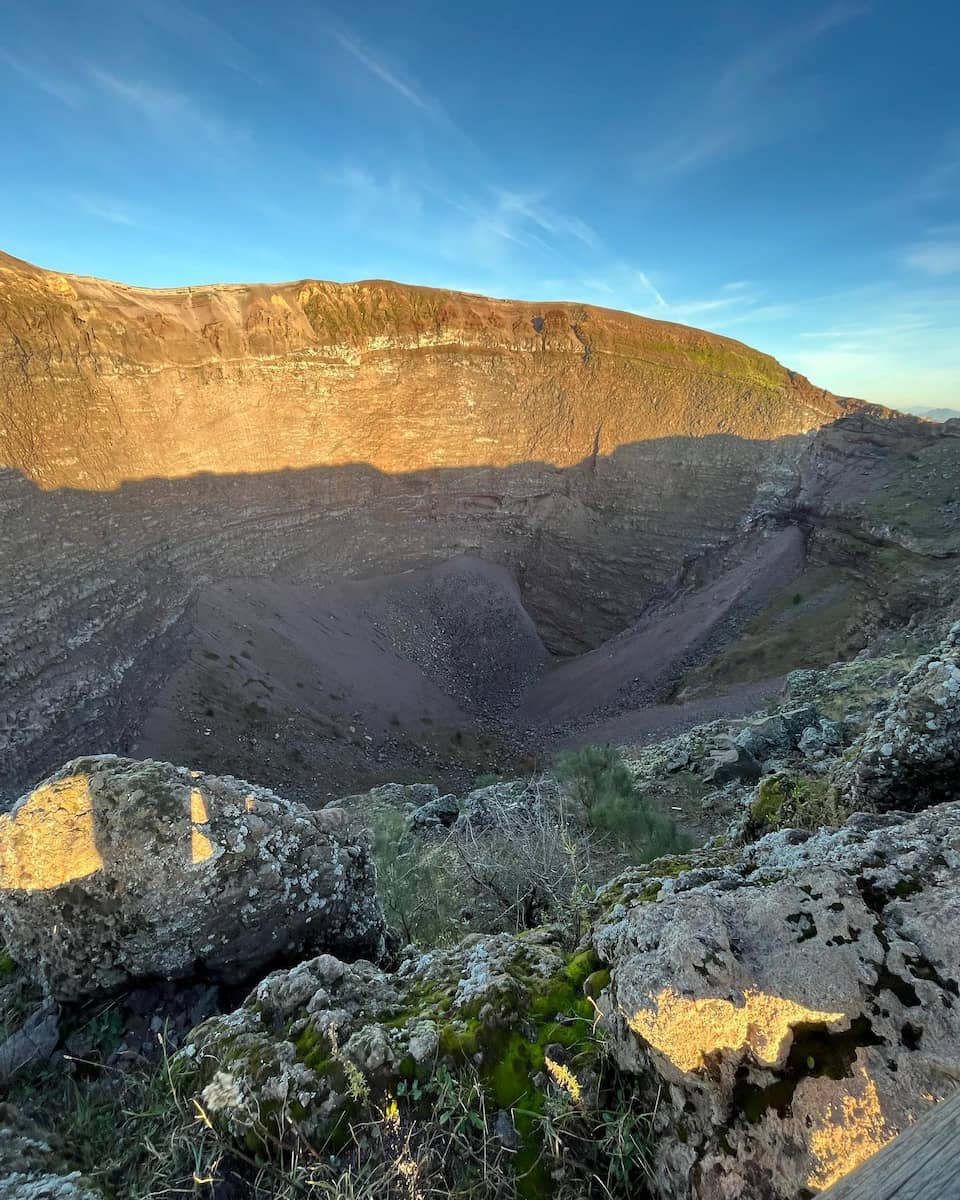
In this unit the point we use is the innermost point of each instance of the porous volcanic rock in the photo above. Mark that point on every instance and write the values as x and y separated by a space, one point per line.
791 1011
909 756
114 870
327 1038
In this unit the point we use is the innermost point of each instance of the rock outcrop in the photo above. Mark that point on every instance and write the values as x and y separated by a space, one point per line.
909 757
782 1012
114 870
328 1041
792 1010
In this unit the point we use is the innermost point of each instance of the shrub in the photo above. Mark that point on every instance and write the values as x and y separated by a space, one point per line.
599 781
525 863
796 802
413 879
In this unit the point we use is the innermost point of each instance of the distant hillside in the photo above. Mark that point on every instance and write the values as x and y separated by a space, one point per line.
935 414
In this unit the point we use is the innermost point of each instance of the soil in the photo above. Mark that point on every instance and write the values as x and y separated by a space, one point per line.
434 675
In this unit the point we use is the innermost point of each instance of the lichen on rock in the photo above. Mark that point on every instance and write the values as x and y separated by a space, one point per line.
909 757
114 870
793 1010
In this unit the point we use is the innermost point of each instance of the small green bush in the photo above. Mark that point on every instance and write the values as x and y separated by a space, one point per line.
599 781
413 880
765 809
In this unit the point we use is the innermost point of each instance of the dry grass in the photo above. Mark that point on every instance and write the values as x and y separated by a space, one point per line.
144 1134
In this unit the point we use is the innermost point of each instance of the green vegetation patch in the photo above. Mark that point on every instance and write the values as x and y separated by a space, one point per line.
601 784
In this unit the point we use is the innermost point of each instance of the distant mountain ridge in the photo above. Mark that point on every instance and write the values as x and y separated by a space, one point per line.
930 413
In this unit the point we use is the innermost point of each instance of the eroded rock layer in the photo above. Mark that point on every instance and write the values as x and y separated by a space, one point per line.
102 383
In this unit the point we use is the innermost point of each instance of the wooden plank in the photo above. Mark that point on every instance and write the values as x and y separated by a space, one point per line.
923 1163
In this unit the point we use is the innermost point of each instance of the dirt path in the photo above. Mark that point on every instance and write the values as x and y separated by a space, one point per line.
657 722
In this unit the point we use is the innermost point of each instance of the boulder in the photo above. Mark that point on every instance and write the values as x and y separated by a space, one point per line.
909 756
822 740
32 1044
776 735
438 813
114 870
731 763
488 806
788 1013
405 795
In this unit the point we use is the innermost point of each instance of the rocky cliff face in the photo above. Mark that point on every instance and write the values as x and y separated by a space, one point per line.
102 383
153 444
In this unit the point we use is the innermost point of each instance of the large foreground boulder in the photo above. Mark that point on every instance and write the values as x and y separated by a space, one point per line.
909 756
114 870
789 1011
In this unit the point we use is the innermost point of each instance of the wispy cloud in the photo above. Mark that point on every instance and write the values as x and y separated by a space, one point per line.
644 281
172 114
184 22
104 208
43 74
532 208
376 65
750 103
937 258
465 224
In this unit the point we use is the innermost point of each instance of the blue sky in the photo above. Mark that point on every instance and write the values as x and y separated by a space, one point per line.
788 174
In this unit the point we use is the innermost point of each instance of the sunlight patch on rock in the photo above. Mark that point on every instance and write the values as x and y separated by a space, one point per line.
49 839
852 1131
200 846
686 1030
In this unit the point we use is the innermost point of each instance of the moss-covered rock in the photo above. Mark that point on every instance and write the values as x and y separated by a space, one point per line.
328 1042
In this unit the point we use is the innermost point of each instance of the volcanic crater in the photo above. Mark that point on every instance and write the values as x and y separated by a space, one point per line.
322 536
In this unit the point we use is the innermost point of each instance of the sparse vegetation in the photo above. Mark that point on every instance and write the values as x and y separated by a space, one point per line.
799 802
413 880
601 784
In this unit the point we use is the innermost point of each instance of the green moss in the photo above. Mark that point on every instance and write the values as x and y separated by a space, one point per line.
7 965
596 983
765 809
580 968
670 866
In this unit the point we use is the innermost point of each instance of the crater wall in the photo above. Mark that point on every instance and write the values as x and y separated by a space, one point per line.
156 442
